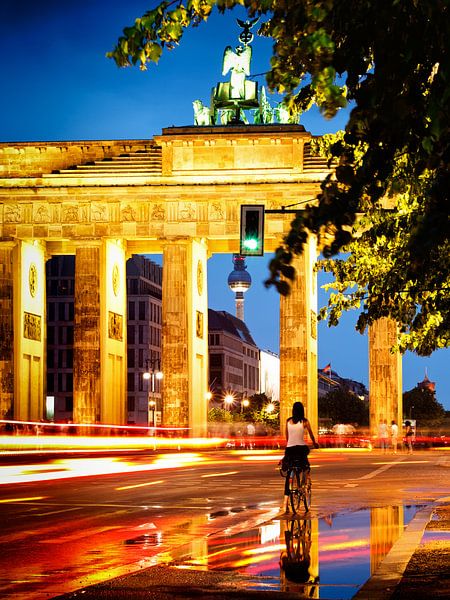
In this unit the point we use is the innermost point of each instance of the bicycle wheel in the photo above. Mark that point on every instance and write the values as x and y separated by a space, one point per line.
298 539
295 492
305 486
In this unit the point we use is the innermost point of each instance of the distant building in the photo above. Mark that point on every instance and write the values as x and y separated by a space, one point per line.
269 374
144 293
330 380
426 384
60 273
233 357
239 281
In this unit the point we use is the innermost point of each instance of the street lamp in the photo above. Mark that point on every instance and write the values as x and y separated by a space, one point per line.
270 407
245 403
229 399
152 373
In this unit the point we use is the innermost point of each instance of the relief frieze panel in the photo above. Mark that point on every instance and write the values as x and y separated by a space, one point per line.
99 212
115 326
41 213
186 211
128 212
216 211
69 213
158 212
12 213
32 326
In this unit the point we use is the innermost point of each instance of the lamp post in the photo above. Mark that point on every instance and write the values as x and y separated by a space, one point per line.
152 373
245 403
228 400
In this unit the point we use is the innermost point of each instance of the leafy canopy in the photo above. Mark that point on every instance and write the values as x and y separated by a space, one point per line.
386 200
421 404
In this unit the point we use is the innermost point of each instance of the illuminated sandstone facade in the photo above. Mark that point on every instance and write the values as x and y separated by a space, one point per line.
178 194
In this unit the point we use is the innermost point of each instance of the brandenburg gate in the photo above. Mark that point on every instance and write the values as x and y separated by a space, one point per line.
178 194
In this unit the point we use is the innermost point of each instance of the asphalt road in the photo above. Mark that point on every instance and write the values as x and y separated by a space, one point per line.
70 522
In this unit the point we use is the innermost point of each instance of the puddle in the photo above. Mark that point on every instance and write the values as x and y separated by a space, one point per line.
329 557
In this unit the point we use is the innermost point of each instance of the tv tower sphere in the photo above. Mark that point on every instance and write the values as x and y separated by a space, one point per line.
239 281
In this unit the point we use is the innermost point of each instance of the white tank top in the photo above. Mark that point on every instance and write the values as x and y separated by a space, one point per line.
295 434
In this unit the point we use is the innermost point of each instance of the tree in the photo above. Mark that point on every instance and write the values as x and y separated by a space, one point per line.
219 415
421 404
343 406
386 199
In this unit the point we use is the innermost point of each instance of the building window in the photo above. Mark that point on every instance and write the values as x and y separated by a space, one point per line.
69 382
131 311
61 311
50 382
130 358
215 360
69 407
51 311
130 404
141 311
131 382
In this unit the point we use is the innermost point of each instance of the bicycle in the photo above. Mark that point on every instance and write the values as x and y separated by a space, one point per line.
299 485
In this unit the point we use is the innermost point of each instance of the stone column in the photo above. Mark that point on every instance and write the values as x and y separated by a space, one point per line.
385 375
386 526
6 331
99 377
185 336
29 294
298 340
86 336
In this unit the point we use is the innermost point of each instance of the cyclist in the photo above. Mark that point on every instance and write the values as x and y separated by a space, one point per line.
296 446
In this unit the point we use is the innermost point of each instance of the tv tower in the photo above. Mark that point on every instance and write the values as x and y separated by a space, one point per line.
239 281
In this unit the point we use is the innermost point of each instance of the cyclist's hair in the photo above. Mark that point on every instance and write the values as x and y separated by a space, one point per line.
296 571
298 412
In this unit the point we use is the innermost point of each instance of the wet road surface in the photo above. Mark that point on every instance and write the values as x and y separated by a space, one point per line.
67 525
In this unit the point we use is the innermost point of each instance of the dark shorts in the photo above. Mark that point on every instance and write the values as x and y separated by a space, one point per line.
296 455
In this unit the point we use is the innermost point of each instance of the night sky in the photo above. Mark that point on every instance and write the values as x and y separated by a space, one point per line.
58 85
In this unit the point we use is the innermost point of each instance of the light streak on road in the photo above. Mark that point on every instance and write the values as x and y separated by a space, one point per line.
32 443
29 499
77 467
332 547
139 485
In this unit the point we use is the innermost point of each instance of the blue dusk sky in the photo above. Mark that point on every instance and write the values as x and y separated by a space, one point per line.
58 85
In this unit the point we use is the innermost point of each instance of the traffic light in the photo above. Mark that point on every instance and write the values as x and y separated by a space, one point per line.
252 230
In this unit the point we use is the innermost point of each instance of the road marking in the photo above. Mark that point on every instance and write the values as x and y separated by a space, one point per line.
220 474
55 512
385 467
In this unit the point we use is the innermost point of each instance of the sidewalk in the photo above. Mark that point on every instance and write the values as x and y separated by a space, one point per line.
417 567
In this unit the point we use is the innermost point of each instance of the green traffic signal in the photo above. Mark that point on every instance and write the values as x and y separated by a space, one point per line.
252 230
251 244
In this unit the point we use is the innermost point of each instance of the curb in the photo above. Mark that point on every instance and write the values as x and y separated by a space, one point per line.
383 582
